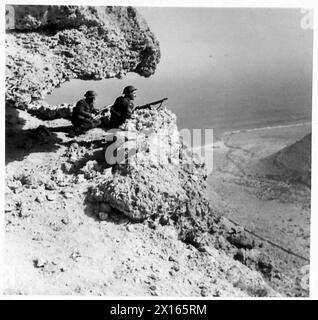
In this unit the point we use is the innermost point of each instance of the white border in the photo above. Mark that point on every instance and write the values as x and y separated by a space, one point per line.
181 3
2 139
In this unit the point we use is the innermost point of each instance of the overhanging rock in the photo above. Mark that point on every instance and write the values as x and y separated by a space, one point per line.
48 45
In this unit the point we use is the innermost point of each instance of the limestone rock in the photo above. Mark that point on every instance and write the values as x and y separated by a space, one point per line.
51 197
84 42
152 177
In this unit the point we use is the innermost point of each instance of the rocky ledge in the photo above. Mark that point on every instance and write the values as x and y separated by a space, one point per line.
48 45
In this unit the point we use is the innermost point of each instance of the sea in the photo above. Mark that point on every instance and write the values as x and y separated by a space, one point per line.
221 68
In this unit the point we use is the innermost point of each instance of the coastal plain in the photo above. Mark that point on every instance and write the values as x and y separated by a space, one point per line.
259 194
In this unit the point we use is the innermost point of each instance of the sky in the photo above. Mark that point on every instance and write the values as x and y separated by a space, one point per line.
252 58
234 40
225 68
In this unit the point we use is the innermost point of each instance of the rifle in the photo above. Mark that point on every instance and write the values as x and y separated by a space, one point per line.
102 110
143 107
148 105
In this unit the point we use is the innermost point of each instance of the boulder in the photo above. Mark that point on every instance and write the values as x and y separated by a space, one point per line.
152 175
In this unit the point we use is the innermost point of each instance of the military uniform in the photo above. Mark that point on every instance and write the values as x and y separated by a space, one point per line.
121 110
82 115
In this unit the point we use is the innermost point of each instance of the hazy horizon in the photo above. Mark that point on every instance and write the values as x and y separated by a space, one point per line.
223 68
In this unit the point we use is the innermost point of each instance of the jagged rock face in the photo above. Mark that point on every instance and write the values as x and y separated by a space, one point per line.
161 176
296 159
59 43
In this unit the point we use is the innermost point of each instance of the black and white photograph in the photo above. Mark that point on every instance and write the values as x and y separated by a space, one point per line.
157 151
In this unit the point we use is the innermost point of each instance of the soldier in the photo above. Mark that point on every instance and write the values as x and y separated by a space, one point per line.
83 113
123 107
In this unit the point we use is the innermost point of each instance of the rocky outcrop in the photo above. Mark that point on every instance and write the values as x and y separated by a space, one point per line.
48 45
160 176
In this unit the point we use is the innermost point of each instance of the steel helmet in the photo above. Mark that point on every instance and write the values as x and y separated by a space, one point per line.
129 89
90 93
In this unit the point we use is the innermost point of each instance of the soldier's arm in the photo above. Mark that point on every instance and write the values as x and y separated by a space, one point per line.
95 110
82 112
129 108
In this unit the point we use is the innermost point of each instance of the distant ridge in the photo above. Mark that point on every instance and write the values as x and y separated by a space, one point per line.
296 159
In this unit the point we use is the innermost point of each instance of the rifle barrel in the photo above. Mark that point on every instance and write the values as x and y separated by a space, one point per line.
151 104
158 101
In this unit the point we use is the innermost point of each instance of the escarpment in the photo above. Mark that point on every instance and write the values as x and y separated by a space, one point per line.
295 160
48 45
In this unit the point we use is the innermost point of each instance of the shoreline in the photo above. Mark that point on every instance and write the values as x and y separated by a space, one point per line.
213 153
296 124
219 142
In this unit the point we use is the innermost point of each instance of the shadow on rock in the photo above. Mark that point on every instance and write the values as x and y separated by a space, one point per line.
103 212
92 144
66 129
21 142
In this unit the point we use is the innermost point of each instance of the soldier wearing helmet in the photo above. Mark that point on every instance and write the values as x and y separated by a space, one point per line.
82 117
123 107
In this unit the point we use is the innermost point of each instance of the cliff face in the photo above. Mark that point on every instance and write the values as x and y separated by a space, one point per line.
48 45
